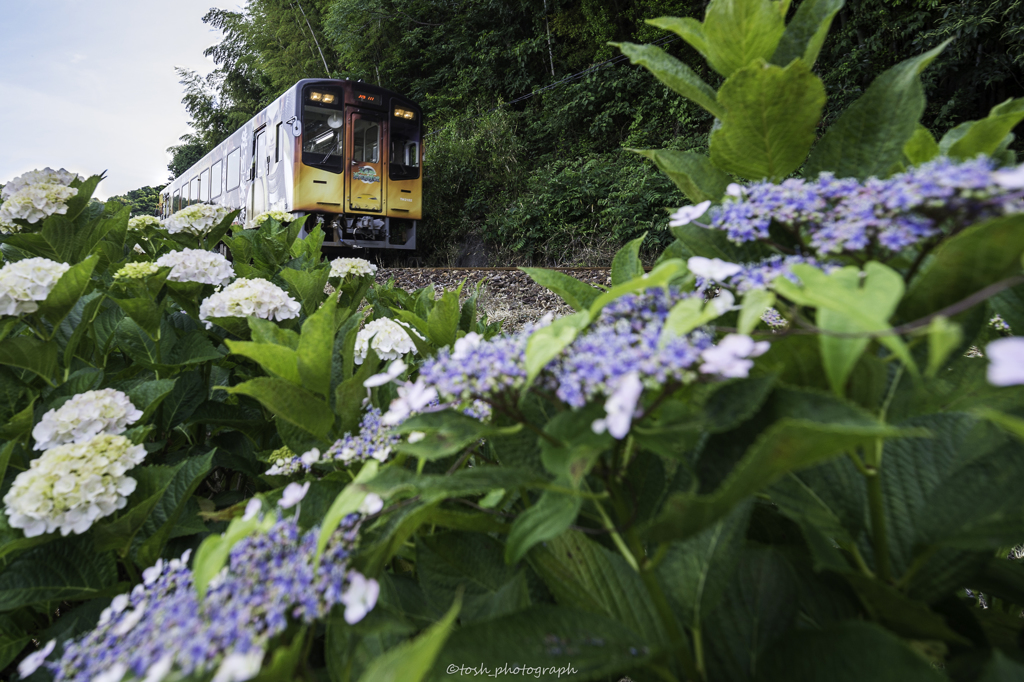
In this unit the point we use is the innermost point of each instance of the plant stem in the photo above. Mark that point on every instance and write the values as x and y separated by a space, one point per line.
879 536
668 619
616 538
698 651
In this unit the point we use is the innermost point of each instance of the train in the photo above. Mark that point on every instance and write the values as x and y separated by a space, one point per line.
347 154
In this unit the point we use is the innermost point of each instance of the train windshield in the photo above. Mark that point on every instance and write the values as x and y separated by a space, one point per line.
404 156
322 129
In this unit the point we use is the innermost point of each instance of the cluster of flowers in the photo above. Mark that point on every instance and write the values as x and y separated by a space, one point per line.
474 368
197 219
35 195
197 265
844 215
26 282
343 267
163 630
373 440
80 477
137 270
279 216
139 223
388 338
245 297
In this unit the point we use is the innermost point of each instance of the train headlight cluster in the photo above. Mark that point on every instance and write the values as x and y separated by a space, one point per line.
324 97
405 113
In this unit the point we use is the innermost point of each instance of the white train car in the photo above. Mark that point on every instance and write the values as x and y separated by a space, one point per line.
348 154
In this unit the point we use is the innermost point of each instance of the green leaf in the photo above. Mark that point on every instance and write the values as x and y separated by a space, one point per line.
565 643
626 265
413 660
189 392
67 570
118 534
20 424
687 28
145 313
577 294
546 343
549 516
965 263
348 500
740 32
26 352
443 319
985 136
316 344
193 348
755 302
66 292
350 393
686 316
573 447
265 331
136 343
810 428
275 359
447 563
772 113
921 147
869 137
582 574
943 338
160 525
673 73
806 32
693 173
446 433
148 395
899 613
307 287
697 572
212 554
289 402
848 652
658 277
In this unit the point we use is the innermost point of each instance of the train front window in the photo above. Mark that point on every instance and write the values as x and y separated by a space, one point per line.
323 129
404 154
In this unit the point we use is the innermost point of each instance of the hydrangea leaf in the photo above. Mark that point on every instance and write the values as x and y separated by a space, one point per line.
145 313
547 518
673 73
212 554
771 118
658 277
443 319
684 317
869 136
693 173
446 433
943 338
687 28
67 570
810 428
148 395
738 32
966 262
806 31
66 292
579 295
413 660
626 264
25 352
755 303
577 447
348 501
163 523
921 147
349 394
547 342
316 345
289 402
118 533
307 287
983 136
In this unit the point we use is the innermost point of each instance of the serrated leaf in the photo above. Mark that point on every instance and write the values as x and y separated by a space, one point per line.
275 359
189 392
307 287
869 136
546 343
118 534
413 660
921 147
145 313
315 347
984 136
577 294
26 352
692 173
212 554
289 402
673 73
547 518
443 319
148 395
446 433
66 292
943 338
755 303
806 31
626 264
348 501
67 570
687 28
160 524
739 32
901 614
772 113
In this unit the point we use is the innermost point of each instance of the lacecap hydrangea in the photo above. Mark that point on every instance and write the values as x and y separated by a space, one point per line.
162 628
197 265
26 282
85 416
36 195
344 267
70 486
279 216
197 219
139 223
388 338
245 297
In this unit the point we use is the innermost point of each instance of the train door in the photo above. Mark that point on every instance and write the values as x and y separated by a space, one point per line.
366 181
258 195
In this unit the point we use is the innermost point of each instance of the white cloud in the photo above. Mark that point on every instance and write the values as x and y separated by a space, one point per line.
92 87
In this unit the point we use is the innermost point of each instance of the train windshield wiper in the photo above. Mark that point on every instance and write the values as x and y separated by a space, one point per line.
331 152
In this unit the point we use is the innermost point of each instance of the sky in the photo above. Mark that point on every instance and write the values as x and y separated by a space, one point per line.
90 85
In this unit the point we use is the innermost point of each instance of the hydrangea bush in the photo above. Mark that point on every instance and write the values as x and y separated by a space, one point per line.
790 450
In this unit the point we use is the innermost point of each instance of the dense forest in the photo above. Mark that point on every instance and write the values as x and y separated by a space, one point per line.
531 112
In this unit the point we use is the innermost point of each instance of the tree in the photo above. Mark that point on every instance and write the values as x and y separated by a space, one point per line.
143 201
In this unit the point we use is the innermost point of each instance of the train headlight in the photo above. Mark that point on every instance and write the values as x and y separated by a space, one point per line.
316 96
407 114
328 98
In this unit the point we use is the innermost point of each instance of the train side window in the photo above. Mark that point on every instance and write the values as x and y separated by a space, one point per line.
216 180
278 143
234 167
176 202
193 190
204 185
366 140
260 157
404 150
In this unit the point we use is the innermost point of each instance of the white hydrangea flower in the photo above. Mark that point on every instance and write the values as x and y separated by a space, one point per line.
343 267
47 176
7 227
197 265
141 222
197 219
70 486
279 216
360 597
245 297
36 202
390 340
25 282
730 358
1006 361
85 416
137 270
